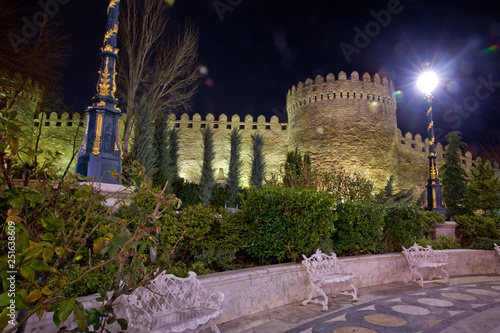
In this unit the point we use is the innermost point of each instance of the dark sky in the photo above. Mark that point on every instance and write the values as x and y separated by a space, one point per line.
255 50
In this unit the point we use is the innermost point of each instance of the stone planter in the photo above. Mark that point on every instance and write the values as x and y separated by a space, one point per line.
445 229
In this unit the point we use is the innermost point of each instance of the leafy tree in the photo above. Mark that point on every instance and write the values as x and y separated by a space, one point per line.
297 170
143 150
389 196
207 181
453 176
233 175
482 193
258 163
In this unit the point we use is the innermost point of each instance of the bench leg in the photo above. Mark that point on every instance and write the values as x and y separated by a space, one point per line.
317 288
353 293
207 325
414 271
435 274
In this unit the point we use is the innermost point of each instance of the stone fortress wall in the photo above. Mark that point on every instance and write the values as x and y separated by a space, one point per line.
346 122
191 147
341 122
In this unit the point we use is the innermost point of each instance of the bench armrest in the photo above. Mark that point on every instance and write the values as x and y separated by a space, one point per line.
438 257
209 299
126 306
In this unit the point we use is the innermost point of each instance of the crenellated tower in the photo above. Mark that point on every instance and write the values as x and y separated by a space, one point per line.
346 122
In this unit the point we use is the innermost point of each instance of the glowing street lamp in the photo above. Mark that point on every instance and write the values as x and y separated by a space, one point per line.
426 83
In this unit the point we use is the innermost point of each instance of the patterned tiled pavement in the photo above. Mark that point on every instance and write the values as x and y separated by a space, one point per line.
466 305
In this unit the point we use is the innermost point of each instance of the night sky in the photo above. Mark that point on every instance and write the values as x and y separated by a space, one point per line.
256 50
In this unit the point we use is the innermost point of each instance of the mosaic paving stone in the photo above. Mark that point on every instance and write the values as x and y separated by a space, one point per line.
385 320
434 302
411 309
463 297
430 310
371 307
339 318
483 292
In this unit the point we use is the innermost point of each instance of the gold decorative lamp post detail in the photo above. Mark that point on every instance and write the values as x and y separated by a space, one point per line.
434 199
100 151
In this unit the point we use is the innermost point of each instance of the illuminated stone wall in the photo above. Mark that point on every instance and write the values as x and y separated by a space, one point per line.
346 122
342 122
191 147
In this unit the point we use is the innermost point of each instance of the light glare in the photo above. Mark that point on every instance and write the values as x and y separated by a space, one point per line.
427 82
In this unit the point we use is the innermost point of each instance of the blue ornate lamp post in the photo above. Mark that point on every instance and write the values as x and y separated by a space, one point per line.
100 150
426 83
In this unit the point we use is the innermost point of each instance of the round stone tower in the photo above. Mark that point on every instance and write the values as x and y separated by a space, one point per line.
348 123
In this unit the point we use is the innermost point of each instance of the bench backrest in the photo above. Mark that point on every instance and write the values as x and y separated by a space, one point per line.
417 254
320 264
167 293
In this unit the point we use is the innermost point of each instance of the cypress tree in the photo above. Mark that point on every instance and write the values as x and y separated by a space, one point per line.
482 193
172 170
142 149
233 175
207 181
160 144
258 164
453 176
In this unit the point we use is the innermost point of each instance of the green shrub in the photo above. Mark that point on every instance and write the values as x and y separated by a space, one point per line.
472 227
404 224
101 279
220 195
441 243
282 223
211 235
359 227
187 192
484 243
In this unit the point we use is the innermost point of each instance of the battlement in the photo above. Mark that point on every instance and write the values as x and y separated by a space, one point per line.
415 145
321 89
54 119
223 123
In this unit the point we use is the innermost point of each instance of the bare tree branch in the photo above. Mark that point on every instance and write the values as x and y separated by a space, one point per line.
154 66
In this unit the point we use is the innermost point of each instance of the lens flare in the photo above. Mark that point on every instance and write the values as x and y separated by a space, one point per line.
398 96
453 87
492 48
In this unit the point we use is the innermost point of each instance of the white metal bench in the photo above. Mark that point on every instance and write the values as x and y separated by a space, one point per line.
420 257
324 269
172 304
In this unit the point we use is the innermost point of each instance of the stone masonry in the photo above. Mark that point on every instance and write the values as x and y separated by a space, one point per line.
340 121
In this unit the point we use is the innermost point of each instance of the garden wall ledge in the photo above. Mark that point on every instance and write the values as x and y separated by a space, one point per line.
251 290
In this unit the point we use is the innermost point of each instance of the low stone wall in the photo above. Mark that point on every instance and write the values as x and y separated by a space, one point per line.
252 290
